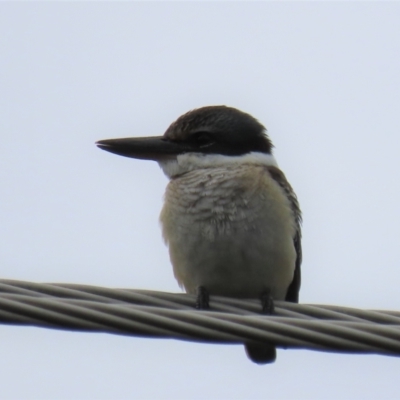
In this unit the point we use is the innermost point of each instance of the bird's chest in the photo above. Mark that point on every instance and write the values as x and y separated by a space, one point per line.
226 225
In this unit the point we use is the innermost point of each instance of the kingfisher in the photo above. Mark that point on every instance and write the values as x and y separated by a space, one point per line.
230 218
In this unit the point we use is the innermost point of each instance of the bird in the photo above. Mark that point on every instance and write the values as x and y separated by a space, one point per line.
230 218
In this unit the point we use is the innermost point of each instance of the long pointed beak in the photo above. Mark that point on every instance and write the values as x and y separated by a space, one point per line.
145 148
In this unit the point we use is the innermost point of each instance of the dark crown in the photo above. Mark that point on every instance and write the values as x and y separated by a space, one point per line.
220 130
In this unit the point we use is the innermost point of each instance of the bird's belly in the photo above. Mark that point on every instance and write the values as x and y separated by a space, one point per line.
238 265
239 246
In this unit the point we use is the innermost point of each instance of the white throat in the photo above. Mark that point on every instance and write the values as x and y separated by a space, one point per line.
187 162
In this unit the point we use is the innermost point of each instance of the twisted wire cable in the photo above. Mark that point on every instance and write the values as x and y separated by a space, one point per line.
167 315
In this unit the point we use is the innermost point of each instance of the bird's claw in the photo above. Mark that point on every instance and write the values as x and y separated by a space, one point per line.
202 299
267 303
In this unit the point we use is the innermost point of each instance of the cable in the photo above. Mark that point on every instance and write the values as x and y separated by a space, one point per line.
167 315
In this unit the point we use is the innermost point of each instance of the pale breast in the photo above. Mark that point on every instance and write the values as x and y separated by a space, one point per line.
230 230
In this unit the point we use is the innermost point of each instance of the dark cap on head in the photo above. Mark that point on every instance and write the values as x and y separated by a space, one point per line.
220 130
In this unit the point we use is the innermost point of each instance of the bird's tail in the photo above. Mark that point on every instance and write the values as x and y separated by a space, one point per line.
260 353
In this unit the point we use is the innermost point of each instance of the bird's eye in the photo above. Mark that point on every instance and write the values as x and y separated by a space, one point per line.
203 139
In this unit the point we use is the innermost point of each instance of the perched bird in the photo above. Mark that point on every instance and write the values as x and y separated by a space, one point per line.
230 218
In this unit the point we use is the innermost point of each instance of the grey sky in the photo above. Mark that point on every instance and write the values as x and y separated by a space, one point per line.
323 77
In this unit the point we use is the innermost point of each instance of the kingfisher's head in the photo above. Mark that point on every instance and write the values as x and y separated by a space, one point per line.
204 137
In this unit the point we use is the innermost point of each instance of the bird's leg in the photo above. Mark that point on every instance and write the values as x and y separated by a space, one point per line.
267 303
202 299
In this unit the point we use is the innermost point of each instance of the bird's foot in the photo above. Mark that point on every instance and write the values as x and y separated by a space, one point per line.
267 303
202 299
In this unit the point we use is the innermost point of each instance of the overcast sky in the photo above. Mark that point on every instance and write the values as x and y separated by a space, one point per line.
323 77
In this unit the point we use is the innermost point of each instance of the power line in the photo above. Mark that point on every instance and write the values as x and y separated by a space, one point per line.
167 315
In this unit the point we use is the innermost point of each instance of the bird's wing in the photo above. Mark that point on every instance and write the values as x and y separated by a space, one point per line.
292 294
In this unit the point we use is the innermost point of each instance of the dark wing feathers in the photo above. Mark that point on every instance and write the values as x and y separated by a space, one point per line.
292 294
